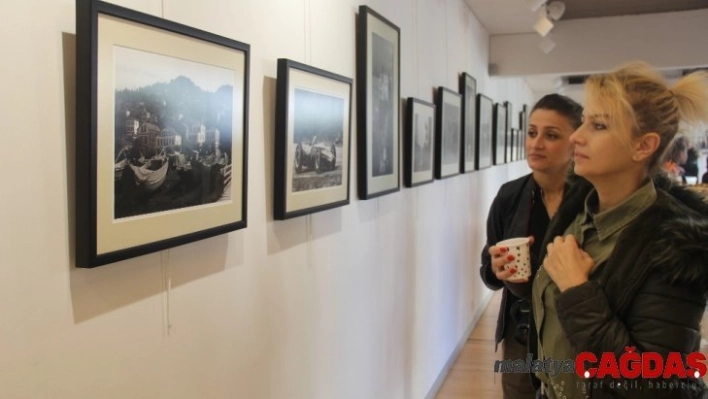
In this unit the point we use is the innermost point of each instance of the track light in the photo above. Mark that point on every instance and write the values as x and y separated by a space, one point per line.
555 10
543 25
535 4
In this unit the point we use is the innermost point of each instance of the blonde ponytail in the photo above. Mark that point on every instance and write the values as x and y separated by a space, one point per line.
691 93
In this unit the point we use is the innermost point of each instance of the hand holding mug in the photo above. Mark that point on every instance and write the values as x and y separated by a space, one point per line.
510 259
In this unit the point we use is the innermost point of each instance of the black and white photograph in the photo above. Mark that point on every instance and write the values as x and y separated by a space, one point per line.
419 142
499 137
382 135
509 134
485 133
161 134
468 88
378 96
448 133
317 138
172 133
523 127
520 142
312 138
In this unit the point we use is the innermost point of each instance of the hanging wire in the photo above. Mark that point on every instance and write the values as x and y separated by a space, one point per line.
167 288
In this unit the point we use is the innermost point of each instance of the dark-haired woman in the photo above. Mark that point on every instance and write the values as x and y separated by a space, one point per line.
523 207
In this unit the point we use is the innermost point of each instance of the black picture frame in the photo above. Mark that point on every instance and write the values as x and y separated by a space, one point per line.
509 134
520 144
524 129
378 100
511 145
468 88
448 132
152 173
484 140
312 140
419 143
499 137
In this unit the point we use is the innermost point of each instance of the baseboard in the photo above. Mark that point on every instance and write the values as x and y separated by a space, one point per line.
453 357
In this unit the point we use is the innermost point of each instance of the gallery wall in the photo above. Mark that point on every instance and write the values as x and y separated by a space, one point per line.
366 301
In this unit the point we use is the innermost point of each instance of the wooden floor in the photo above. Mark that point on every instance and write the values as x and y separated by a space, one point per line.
472 374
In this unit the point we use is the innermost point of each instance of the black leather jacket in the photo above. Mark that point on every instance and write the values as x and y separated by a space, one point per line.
508 217
654 293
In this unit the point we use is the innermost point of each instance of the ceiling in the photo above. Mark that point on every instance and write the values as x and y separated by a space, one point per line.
502 17
514 16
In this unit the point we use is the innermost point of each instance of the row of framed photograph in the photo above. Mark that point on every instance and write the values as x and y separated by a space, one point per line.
462 132
162 131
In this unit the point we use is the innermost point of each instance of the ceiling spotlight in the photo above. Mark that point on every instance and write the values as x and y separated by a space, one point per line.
546 45
555 10
543 26
535 4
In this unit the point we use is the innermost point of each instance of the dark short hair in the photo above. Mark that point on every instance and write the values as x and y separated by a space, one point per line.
562 105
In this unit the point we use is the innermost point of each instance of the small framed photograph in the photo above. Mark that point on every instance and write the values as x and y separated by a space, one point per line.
468 88
509 134
523 130
448 133
419 143
499 143
511 145
523 119
378 98
312 137
484 143
161 133
520 141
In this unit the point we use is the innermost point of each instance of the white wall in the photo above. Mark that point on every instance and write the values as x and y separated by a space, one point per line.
366 301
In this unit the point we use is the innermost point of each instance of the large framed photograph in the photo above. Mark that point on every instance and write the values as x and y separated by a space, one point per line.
161 137
378 98
448 133
468 88
499 138
484 141
419 143
312 136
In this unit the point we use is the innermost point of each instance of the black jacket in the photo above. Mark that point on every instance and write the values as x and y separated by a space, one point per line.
653 293
508 217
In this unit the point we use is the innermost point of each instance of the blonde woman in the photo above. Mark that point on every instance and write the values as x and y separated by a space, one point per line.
626 258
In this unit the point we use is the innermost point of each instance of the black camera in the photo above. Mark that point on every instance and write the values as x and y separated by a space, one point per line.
520 313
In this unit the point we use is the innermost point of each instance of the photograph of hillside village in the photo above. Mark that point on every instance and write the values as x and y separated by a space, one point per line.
173 133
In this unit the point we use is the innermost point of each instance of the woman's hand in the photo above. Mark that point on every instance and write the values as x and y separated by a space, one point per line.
567 264
500 257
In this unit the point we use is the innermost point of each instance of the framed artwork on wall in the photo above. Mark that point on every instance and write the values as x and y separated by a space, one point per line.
511 145
312 137
524 129
378 98
509 135
468 88
520 144
448 133
523 121
499 138
162 134
419 143
484 143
